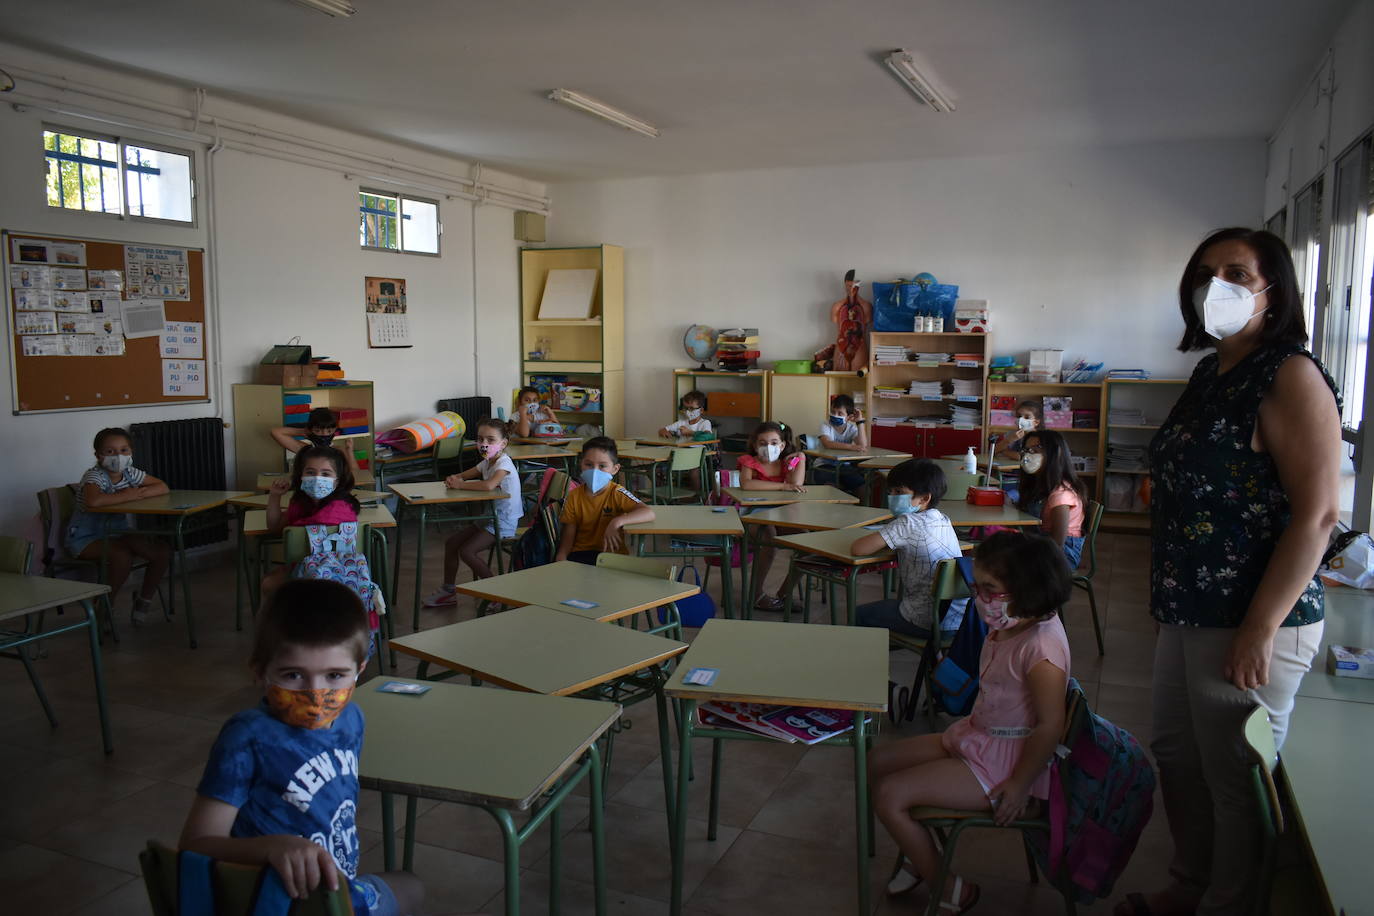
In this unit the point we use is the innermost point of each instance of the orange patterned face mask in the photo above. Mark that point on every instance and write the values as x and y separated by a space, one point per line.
308 708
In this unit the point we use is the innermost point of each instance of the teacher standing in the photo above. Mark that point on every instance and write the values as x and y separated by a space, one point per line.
1244 483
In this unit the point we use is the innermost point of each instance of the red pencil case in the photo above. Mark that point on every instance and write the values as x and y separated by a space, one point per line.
986 496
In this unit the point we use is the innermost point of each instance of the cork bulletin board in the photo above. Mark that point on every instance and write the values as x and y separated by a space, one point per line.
72 305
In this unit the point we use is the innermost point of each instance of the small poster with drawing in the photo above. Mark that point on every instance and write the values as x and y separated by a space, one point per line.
388 325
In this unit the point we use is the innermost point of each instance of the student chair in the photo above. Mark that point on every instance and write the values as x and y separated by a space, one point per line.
372 543
553 488
1264 757
947 586
669 622
948 823
1084 579
447 457
185 882
15 556
682 463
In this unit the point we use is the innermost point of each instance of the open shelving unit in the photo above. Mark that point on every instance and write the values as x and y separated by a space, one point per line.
736 402
927 434
588 351
1083 441
260 408
1155 398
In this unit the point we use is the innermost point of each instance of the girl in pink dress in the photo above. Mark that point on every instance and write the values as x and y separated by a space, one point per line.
323 486
773 463
997 759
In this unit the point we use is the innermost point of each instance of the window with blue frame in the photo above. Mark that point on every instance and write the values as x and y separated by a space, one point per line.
98 174
398 222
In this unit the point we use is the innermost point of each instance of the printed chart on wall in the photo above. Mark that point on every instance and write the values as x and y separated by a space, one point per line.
103 324
388 325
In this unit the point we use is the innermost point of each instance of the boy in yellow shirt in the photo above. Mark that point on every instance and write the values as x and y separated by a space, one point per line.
594 513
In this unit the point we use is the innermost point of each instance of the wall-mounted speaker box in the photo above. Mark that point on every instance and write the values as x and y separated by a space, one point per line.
529 227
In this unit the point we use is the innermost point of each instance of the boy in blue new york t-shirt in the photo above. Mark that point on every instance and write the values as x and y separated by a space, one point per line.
281 785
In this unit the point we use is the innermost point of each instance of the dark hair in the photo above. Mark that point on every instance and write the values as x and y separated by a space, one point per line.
343 489
1033 569
693 395
1283 321
842 402
1035 407
315 613
322 418
601 443
1057 470
921 476
772 426
505 427
111 432
528 389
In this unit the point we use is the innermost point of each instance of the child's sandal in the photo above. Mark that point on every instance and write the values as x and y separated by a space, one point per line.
957 894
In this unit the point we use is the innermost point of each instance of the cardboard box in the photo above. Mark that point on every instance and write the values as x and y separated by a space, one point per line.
1000 417
288 376
1349 661
1058 413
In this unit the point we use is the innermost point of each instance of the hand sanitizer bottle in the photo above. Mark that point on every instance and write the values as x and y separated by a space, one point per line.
970 462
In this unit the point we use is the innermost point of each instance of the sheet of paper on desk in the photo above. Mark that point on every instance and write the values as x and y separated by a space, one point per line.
403 687
580 603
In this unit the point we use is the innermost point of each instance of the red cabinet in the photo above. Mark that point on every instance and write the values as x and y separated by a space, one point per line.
927 442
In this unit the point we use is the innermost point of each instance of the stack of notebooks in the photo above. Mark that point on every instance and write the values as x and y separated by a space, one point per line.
888 391
926 391
296 409
352 420
889 353
1128 373
331 372
738 349
965 417
967 389
968 359
1124 457
927 357
789 724
888 421
1126 416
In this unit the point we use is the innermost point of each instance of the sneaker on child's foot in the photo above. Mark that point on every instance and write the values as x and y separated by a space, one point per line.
444 596
140 613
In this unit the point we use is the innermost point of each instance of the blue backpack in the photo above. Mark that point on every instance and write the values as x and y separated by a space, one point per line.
955 678
534 547
1101 797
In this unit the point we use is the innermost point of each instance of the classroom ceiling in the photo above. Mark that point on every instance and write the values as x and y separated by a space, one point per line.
732 84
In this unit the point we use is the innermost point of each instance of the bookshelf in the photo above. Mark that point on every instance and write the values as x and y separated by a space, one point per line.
920 432
736 402
258 409
1084 441
586 351
1154 398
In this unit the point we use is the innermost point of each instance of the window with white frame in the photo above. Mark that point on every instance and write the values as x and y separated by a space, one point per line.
398 222
1307 248
1345 331
101 174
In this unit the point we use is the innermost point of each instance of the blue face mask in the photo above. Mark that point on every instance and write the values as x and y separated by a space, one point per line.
317 487
595 479
900 504
837 422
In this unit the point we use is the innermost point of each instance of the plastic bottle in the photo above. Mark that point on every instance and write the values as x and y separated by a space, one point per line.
970 462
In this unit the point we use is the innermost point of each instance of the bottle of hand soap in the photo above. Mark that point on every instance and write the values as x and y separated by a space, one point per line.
970 462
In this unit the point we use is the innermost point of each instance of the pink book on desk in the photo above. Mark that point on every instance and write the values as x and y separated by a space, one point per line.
748 716
808 724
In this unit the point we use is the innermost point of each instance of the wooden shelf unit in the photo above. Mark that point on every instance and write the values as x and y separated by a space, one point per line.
1085 396
258 409
912 437
736 402
1155 397
589 351
803 401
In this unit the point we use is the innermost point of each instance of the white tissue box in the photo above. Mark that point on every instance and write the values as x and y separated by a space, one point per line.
1350 661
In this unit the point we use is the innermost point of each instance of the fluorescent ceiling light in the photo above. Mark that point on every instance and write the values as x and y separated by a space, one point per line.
602 110
330 7
900 63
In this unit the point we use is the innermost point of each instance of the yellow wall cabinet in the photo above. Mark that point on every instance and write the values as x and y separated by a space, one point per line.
803 401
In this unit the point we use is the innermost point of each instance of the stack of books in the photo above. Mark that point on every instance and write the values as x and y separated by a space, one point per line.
926 391
1124 457
737 349
1126 416
888 391
789 724
967 389
931 357
331 373
965 417
889 353
1128 373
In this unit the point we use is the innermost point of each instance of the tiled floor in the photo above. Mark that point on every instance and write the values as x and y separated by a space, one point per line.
72 820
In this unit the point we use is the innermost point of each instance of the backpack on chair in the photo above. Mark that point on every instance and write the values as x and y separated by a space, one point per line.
336 557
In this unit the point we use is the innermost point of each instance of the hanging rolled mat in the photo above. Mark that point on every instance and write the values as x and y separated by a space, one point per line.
421 434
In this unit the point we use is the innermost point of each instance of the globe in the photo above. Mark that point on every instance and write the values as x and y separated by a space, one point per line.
924 279
700 344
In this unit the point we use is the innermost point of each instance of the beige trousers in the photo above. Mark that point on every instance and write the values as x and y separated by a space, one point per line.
1204 769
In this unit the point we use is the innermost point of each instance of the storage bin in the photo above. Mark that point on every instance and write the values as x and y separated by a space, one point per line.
793 366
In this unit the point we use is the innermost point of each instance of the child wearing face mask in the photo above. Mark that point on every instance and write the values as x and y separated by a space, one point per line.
91 535
1029 417
997 758
320 429
773 463
595 512
844 430
691 421
280 788
1052 492
530 412
323 489
922 536
495 471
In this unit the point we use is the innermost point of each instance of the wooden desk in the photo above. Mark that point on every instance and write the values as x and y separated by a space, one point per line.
617 594
259 500
178 505
765 662
497 750
673 442
565 441
812 494
255 520
542 650
962 515
418 497
833 545
1349 622
652 457
817 516
983 462
542 453
22 595
868 454
265 479
1327 759
704 522
405 464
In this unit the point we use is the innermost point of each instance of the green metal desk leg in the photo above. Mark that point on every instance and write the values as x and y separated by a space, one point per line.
851 593
861 822
555 857
713 815
408 857
686 712
727 597
510 840
787 599
598 819
396 563
388 833
180 552
94 626
665 745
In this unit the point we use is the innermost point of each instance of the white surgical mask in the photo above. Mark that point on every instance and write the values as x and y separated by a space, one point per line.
1032 463
692 413
317 487
769 453
1026 423
1224 308
117 464
994 612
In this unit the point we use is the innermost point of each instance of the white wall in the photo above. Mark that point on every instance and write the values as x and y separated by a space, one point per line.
285 246
1080 250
